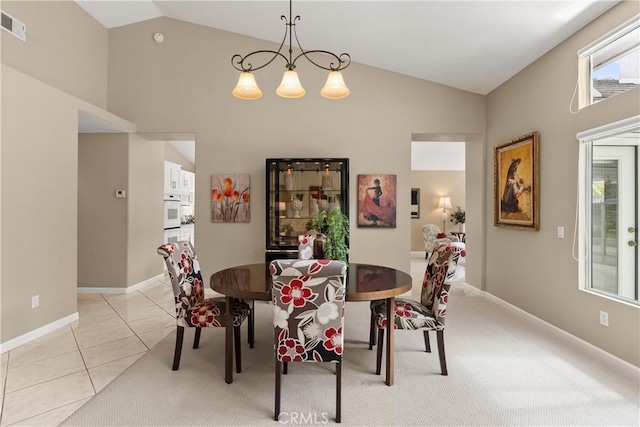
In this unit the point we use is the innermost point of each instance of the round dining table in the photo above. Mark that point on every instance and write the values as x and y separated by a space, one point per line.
365 282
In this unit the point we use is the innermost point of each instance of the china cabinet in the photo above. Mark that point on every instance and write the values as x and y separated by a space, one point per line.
297 189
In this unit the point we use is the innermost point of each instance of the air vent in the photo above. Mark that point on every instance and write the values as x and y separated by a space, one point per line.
13 26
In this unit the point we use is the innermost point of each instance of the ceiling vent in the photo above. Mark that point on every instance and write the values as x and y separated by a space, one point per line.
15 27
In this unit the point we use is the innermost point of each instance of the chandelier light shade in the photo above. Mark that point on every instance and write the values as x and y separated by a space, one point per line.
247 88
335 88
290 87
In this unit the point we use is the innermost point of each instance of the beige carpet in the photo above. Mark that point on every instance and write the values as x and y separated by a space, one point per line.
505 369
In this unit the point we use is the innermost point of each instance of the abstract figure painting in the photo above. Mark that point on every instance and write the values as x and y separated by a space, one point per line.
230 198
377 201
515 174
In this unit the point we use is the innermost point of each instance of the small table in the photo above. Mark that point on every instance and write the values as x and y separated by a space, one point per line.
365 282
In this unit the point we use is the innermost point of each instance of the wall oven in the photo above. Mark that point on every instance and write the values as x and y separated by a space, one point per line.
171 211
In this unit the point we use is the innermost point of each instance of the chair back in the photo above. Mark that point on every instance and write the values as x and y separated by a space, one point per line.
184 272
441 268
308 309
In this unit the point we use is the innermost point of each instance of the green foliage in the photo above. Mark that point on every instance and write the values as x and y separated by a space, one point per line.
458 217
335 227
337 235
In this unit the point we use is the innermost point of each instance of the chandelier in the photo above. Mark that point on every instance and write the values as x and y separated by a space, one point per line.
290 87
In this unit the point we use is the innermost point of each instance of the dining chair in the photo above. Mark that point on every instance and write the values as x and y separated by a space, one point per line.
192 309
428 314
308 316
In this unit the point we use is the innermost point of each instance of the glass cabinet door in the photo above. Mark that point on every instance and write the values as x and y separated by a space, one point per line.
297 190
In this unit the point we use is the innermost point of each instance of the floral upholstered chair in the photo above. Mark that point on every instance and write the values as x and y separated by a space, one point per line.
308 316
305 245
433 237
192 309
429 313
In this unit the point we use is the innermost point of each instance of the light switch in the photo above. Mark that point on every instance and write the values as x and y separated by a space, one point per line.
121 194
560 234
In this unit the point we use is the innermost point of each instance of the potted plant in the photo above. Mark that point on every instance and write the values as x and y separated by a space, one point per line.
459 217
333 234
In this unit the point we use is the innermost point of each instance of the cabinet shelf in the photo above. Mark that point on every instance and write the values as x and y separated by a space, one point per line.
317 183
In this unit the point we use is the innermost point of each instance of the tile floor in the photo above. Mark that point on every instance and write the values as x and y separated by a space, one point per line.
46 380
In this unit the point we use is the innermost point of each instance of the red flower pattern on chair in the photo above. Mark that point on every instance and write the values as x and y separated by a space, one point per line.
295 292
308 316
192 309
430 312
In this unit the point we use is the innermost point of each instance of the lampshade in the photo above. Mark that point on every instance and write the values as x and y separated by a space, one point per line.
335 88
247 88
290 86
445 203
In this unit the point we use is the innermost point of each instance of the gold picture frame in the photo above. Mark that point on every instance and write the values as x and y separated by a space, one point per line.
516 183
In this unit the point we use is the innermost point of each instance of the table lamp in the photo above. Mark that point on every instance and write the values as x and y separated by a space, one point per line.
444 204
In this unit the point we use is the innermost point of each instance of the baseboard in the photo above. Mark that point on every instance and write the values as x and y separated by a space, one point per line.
562 331
37 333
126 290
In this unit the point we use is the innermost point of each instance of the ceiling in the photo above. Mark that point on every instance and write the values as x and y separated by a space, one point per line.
472 45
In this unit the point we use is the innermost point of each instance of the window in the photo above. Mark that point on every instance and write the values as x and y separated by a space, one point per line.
608 210
611 64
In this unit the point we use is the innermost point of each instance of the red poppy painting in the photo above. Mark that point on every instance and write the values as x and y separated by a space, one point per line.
230 198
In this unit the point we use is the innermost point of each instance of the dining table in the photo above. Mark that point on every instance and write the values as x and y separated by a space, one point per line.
365 282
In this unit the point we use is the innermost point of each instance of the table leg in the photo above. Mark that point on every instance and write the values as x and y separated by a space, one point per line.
391 312
228 345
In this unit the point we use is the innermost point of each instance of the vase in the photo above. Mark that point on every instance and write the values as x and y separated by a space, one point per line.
323 205
327 182
296 206
461 227
313 208
319 245
289 181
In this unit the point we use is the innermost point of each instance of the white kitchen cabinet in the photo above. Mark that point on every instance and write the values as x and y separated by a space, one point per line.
172 177
187 181
188 186
187 232
172 235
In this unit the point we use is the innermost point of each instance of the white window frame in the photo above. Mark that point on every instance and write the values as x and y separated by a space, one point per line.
586 139
584 58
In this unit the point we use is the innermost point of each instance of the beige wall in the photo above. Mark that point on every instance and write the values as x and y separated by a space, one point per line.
39 203
372 127
118 237
103 168
433 185
145 209
535 271
65 48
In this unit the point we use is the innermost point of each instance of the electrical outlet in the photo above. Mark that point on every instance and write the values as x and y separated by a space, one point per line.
35 301
560 232
604 318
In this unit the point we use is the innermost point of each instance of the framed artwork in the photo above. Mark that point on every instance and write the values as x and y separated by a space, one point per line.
415 203
230 197
377 201
515 183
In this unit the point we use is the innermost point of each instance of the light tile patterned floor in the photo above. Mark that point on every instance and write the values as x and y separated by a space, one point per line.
46 380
